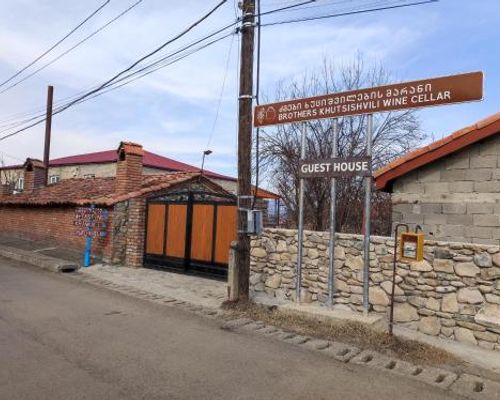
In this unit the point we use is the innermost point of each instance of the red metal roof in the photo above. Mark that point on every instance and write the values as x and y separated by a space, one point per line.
151 160
450 144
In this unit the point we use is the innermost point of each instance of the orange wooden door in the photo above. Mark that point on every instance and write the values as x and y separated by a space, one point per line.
176 230
155 229
202 232
226 232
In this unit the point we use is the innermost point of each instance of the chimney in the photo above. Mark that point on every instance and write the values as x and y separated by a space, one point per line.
129 168
34 174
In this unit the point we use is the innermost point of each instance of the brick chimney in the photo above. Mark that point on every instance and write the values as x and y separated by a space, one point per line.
34 174
129 168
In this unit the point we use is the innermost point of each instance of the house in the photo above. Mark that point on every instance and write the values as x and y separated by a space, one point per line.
451 187
103 164
176 218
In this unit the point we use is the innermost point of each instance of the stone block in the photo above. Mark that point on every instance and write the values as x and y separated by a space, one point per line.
486 161
489 220
413 187
454 208
483 260
461 186
412 218
378 297
478 175
435 219
466 269
450 230
429 174
453 175
436 187
421 266
480 208
465 336
404 312
470 296
487 187
480 232
476 387
489 316
431 208
441 265
457 161
429 326
459 219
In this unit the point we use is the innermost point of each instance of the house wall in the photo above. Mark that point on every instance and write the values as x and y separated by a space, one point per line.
454 293
51 224
456 198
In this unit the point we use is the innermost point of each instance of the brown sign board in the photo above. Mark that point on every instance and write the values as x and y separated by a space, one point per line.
335 167
399 96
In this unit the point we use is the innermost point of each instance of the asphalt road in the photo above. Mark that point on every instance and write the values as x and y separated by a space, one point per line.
62 339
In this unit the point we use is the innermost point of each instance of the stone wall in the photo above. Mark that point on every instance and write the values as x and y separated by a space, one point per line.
456 198
454 293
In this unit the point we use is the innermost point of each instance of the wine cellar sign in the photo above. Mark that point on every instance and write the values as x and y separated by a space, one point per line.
399 96
415 94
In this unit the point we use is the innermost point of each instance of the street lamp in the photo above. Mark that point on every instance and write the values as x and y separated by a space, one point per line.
205 153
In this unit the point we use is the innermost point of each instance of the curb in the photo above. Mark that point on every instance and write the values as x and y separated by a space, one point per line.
38 260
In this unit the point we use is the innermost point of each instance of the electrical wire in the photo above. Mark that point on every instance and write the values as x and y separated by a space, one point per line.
79 43
343 14
221 94
57 43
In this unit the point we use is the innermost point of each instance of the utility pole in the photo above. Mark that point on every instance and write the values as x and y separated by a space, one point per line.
48 130
242 259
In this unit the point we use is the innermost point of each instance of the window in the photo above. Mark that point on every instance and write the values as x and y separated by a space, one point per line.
54 179
89 176
19 185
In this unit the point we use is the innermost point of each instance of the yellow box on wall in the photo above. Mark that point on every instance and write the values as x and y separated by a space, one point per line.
411 246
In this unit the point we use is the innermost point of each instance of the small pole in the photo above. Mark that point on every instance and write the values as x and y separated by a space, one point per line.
301 215
48 130
391 314
367 223
333 220
88 240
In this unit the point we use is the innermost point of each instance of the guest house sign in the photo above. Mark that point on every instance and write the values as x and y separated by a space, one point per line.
415 94
335 167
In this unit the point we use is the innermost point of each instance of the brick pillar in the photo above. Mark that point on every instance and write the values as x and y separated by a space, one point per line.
129 168
34 174
136 231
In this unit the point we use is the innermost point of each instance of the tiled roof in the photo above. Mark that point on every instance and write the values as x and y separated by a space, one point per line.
99 191
436 150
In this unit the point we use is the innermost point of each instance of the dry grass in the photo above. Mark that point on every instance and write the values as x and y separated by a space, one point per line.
355 333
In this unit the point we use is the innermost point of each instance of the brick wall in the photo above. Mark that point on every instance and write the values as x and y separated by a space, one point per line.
52 224
456 198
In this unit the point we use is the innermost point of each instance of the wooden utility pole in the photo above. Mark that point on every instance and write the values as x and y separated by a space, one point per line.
48 129
242 259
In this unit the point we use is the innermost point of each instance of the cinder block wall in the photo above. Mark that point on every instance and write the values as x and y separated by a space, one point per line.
456 198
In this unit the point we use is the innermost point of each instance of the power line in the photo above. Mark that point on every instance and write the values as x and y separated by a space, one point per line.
74 46
57 43
219 102
110 87
343 14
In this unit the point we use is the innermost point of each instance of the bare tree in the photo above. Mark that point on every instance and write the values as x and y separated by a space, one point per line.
394 134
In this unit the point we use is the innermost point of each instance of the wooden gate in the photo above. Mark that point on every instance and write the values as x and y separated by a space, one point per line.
191 232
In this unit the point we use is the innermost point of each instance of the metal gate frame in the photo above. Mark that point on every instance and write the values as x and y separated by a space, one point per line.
187 264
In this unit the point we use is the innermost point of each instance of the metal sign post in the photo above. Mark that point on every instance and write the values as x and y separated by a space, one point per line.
367 222
333 219
300 233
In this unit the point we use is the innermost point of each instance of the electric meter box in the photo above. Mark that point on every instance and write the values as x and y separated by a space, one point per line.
411 247
254 222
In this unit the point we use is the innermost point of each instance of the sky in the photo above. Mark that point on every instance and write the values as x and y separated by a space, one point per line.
174 112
